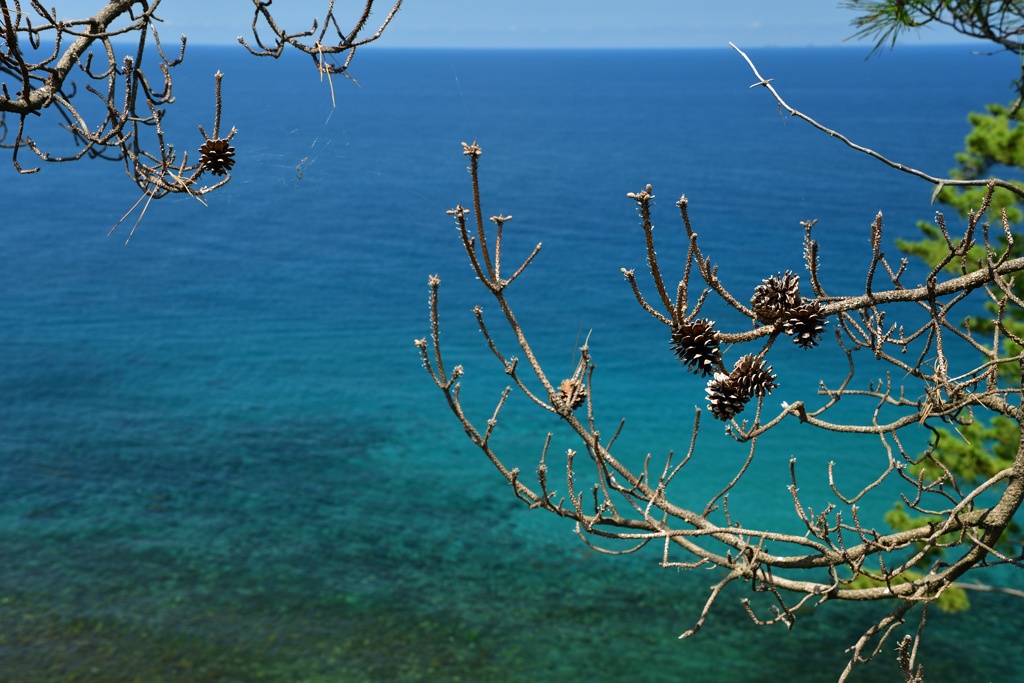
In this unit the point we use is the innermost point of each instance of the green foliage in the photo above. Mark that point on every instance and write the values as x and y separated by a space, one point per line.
978 449
975 453
995 21
996 138
996 142
932 248
882 21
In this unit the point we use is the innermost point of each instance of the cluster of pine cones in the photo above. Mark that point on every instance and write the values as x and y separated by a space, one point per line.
728 394
778 299
696 345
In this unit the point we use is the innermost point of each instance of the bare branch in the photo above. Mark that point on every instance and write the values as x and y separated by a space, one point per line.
935 374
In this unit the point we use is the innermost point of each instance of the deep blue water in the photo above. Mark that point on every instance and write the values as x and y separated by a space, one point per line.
221 459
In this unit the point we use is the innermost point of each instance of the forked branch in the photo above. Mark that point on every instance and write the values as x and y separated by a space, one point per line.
113 102
952 378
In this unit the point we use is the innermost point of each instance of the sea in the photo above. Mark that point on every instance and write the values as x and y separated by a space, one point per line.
221 458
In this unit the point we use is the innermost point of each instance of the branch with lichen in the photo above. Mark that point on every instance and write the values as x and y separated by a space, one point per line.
940 372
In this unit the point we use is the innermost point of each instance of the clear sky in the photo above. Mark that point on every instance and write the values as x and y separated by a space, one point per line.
556 23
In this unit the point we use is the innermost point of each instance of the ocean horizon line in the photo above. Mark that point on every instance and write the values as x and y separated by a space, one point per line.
615 48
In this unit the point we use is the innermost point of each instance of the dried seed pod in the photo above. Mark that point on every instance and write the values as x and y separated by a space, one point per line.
725 399
695 344
805 324
776 295
571 393
217 156
752 377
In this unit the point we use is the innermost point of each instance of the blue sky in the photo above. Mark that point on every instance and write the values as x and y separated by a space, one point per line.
557 23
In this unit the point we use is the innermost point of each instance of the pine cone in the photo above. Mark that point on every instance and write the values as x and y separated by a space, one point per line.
571 393
752 377
695 344
217 156
776 295
805 324
725 399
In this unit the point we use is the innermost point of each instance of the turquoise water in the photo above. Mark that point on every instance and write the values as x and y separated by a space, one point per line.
221 460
